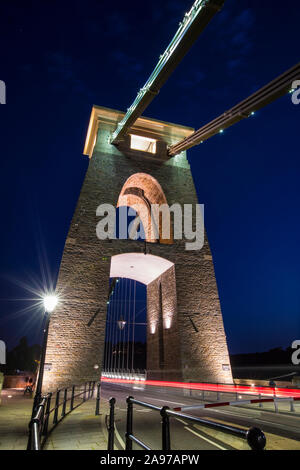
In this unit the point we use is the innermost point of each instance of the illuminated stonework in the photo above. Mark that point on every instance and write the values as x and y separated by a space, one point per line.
185 333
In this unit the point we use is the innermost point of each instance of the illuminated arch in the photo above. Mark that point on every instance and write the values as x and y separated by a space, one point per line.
141 190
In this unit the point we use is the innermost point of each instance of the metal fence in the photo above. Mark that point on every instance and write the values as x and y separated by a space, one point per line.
40 425
254 436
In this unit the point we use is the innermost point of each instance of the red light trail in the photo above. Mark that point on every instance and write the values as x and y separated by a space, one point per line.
224 388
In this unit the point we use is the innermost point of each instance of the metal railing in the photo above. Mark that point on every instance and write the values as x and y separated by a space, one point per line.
254 436
241 402
135 374
40 427
274 395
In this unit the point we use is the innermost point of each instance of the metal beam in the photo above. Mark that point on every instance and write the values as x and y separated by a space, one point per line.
265 95
189 29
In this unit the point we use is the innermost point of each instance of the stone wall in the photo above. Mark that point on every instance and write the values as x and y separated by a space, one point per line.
74 348
163 343
18 381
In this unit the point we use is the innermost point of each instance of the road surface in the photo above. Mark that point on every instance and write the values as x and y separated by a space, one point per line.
282 429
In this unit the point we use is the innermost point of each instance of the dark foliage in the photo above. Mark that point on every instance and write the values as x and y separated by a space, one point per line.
23 357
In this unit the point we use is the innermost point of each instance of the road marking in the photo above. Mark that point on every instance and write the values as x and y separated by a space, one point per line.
119 437
205 438
237 413
183 422
287 427
166 401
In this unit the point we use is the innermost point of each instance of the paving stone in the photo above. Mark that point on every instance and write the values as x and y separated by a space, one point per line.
15 414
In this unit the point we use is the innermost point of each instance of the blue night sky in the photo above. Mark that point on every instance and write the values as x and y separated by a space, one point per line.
58 58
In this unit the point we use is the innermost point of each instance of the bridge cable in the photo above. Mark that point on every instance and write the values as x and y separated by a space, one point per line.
111 310
124 325
133 326
106 336
113 331
120 309
128 325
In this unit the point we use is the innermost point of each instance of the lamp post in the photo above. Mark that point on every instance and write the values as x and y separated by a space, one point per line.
50 302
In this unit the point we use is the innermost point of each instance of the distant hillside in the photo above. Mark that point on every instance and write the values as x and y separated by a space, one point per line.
264 365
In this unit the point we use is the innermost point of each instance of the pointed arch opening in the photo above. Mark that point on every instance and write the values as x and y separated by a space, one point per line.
142 192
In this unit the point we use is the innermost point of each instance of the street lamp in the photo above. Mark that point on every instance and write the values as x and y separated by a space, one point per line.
50 301
121 323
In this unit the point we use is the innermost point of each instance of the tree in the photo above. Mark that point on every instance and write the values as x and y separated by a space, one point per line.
23 357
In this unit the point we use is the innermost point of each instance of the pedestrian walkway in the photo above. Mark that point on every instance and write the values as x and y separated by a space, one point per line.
15 414
81 429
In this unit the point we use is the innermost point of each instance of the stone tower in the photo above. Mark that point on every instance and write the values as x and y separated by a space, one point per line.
185 333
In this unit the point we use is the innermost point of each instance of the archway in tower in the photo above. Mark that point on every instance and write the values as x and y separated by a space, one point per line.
141 327
126 328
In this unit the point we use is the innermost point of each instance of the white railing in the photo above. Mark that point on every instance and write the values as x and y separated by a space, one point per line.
137 375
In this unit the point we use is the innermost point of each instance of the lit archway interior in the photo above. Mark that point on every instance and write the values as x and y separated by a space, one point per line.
138 266
161 330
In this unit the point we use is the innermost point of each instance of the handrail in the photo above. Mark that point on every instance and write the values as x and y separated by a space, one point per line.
254 436
39 424
139 442
145 405
210 424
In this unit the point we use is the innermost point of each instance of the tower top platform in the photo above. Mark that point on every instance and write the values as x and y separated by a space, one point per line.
143 126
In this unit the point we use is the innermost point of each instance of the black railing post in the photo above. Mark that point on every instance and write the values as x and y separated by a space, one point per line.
129 423
63 411
46 422
97 412
29 442
41 421
36 427
56 407
166 444
111 427
72 398
256 439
